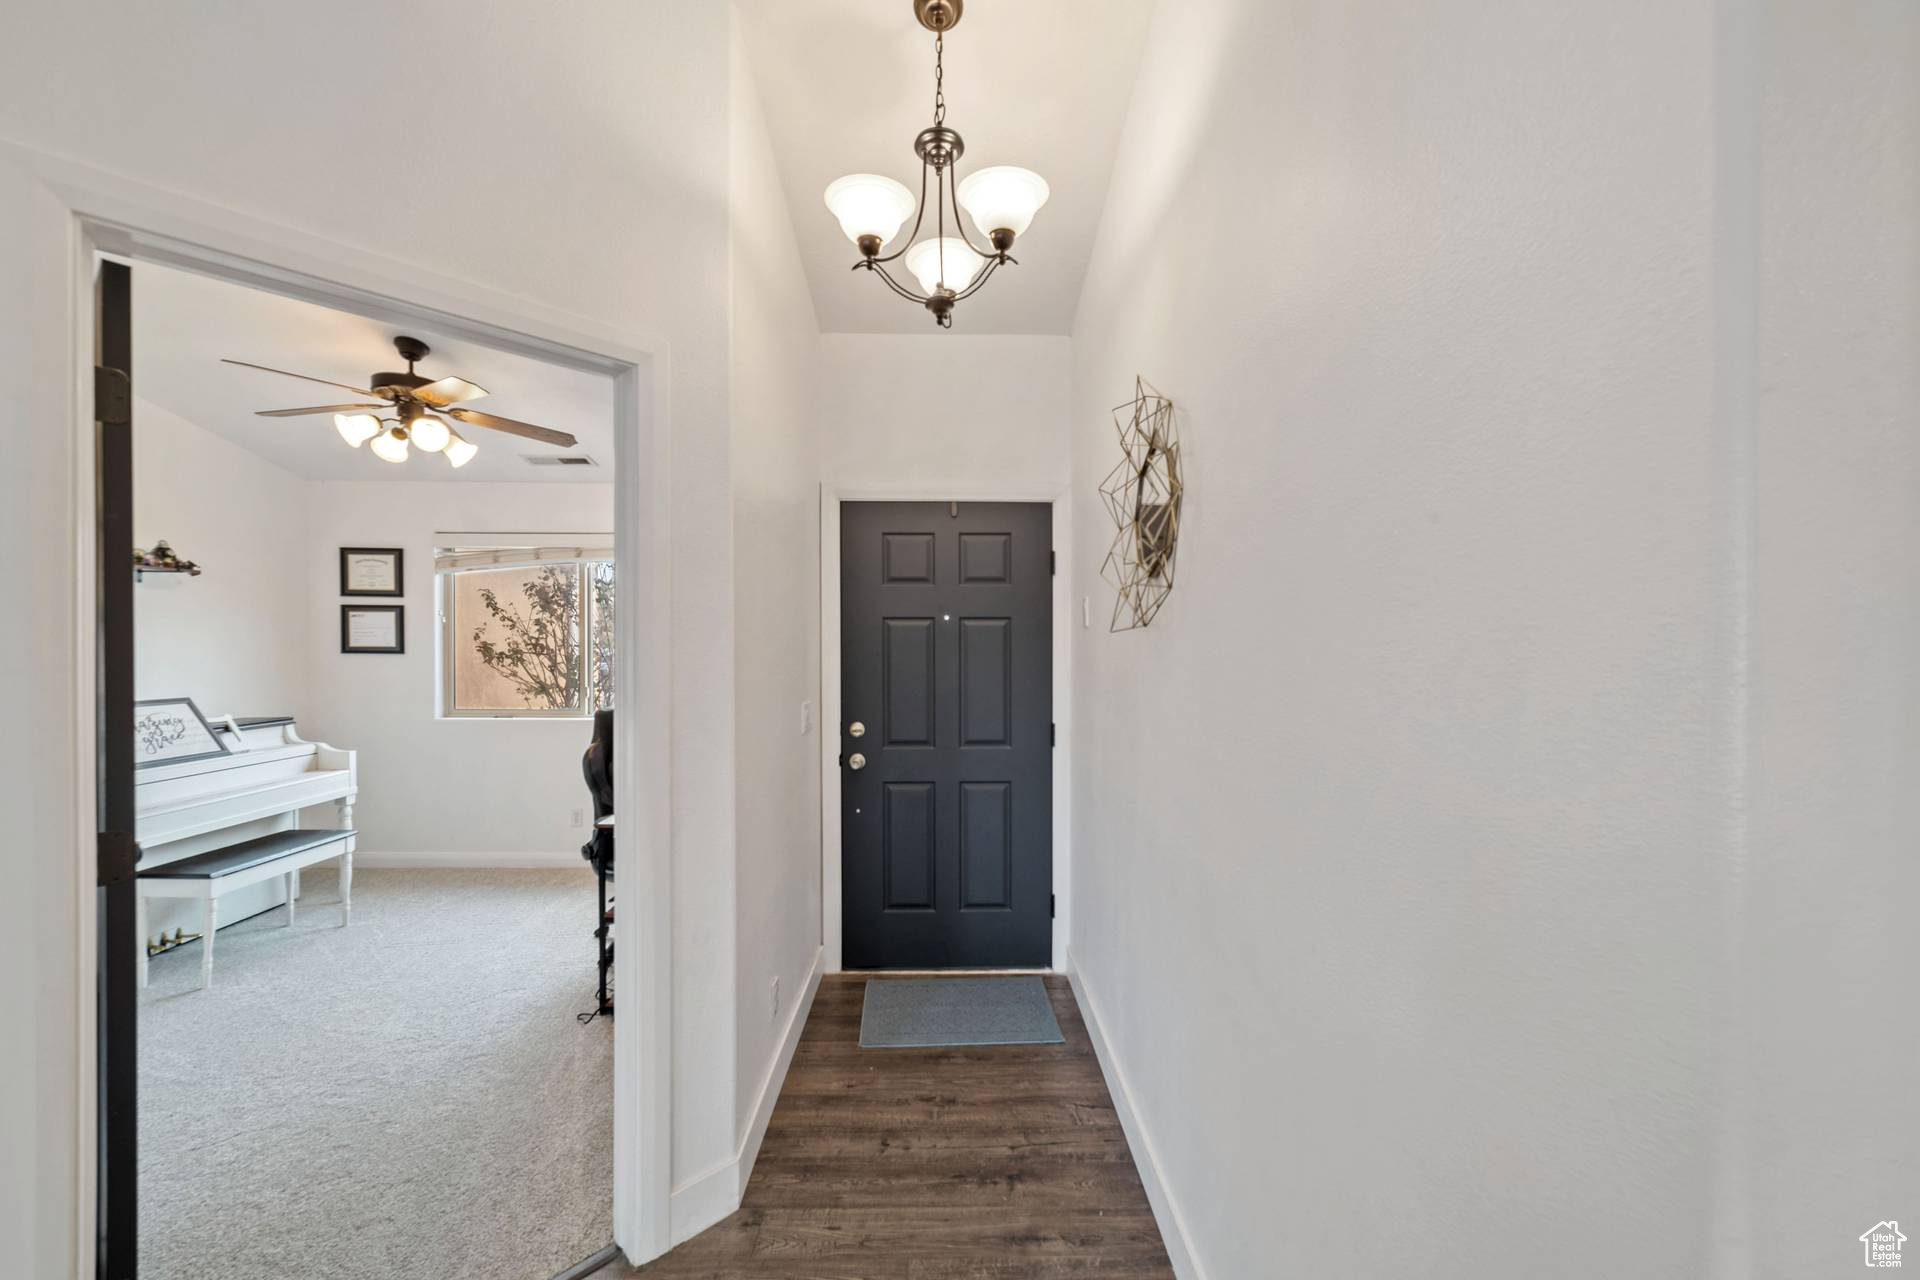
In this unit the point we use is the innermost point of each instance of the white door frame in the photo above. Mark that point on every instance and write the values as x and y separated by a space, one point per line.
85 212
830 712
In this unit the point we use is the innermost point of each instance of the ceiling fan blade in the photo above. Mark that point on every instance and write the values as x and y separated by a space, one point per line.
325 382
546 435
448 391
318 408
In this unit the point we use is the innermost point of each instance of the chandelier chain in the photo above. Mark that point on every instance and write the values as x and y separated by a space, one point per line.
939 77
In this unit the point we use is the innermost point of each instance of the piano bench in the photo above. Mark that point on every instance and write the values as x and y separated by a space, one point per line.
208 875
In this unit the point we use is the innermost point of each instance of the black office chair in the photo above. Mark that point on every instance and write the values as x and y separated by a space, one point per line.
597 765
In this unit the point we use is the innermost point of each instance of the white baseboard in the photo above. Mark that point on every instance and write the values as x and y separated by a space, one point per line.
777 1070
542 859
1166 1213
708 1197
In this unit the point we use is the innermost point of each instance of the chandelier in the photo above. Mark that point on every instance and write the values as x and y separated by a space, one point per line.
1001 201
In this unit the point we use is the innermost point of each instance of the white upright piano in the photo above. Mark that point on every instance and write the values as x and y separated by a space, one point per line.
271 774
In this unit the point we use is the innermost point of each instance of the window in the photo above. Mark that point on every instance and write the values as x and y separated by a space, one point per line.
526 631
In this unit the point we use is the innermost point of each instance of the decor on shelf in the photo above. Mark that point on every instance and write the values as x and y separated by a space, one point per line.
1142 494
373 628
418 404
371 571
1001 201
161 560
172 731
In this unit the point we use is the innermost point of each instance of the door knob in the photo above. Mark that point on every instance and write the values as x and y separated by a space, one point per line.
856 761
856 730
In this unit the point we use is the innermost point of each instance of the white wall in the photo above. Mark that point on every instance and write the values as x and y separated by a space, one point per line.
628 103
463 791
776 567
975 411
1821 1098
233 639
1399 875
1547 607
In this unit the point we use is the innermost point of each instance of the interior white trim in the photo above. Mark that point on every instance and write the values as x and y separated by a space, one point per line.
89 212
706 1198
831 497
1166 1211
491 860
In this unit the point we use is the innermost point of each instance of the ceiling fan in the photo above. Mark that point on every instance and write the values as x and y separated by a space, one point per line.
417 404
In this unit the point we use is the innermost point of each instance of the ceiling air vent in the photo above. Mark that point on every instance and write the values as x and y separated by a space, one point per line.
559 460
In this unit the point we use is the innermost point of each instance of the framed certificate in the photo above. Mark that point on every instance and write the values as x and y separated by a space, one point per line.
373 628
371 571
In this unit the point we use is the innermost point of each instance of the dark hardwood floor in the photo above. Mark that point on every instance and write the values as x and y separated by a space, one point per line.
933 1164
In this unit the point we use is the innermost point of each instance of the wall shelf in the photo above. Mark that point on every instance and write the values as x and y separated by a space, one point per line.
141 571
161 560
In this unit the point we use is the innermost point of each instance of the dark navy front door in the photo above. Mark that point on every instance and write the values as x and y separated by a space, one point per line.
946 734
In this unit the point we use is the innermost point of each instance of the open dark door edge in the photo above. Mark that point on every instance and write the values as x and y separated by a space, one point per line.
117 1222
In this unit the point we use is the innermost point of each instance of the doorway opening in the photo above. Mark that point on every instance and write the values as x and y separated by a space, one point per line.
364 928
104 518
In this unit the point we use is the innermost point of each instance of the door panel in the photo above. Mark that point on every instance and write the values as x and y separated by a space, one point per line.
946 664
907 682
986 845
986 681
909 853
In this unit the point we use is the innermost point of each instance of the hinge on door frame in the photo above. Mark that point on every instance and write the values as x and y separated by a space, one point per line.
1052 904
1053 734
118 855
1053 563
112 396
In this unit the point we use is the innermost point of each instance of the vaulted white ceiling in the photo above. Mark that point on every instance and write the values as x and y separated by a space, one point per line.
1044 84
185 323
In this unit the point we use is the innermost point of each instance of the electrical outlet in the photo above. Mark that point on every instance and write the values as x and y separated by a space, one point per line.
806 718
579 817
774 1014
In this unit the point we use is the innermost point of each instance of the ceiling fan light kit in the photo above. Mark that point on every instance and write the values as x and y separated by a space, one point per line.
390 447
458 451
430 433
420 408
1000 200
356 428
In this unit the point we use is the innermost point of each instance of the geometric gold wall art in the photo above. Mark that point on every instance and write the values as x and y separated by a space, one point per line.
1142 494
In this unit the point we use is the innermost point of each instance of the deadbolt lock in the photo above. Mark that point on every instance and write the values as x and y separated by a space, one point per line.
856 761
856 730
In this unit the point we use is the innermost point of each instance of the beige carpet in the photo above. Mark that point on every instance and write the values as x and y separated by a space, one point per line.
409 1096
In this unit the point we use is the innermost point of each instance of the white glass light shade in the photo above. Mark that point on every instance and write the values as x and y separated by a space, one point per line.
458 451
430 433
961 264
356 428
869 205
1002 198
389 448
